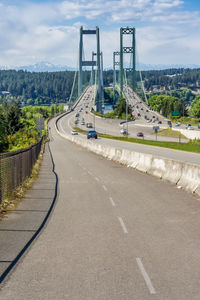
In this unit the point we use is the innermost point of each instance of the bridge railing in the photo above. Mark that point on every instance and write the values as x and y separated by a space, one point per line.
15 166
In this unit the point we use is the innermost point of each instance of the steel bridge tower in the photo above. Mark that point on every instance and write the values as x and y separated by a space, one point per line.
90 63
115 63
101 73
127 50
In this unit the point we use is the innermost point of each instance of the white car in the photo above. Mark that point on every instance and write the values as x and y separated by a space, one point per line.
74 132
190 128
123 131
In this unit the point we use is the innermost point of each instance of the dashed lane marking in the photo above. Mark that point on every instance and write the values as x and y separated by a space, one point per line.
123 225
145 276
112 201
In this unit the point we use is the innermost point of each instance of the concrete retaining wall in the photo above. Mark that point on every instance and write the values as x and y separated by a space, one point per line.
184 175
190 134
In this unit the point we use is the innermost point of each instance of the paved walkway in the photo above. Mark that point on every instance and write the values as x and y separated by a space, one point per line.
20 226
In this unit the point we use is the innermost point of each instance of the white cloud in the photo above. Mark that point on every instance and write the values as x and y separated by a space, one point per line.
35 32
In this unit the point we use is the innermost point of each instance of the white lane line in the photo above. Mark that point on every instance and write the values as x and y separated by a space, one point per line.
104 187
146 276
123 225
97 179
112 201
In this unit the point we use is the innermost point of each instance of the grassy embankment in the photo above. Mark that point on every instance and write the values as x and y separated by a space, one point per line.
168 132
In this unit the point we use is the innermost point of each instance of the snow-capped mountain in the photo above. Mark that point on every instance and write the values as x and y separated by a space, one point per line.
49 67
39 67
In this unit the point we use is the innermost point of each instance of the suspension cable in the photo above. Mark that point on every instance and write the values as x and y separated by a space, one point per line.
141 81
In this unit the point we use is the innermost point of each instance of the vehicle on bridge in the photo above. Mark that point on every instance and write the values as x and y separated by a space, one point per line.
92 134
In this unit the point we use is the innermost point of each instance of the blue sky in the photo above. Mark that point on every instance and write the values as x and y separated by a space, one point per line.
167 31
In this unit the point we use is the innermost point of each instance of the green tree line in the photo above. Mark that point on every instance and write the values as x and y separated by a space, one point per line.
166 104
18 125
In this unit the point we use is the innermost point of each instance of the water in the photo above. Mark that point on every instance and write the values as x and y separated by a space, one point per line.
107 108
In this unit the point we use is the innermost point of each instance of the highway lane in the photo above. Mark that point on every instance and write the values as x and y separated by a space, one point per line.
111 236
113 127
67 123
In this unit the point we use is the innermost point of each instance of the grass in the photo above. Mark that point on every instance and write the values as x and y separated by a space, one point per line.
171 133
192 146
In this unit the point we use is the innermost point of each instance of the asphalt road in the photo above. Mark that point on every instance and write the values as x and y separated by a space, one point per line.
67 123
115 233
113 126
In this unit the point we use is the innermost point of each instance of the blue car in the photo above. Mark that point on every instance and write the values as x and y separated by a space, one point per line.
92 134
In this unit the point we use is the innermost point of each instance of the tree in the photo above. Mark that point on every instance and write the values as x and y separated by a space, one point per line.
195 107
3 133
12 117
121 107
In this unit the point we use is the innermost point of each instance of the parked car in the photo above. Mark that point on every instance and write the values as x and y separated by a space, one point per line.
74 132
92 134
140 134
77 115
159 122
177 124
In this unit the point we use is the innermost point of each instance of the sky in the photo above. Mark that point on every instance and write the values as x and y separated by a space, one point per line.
31 31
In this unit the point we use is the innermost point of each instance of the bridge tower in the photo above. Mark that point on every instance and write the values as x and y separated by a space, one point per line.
127 50
91 63
115 63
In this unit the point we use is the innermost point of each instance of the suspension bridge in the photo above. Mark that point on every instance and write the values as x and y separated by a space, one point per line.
124 74
107 235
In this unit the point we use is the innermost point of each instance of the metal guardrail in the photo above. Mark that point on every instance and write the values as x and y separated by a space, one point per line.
15 166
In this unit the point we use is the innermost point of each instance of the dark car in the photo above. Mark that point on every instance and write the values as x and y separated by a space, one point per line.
169 123
140 134
89 125
159 122
92 134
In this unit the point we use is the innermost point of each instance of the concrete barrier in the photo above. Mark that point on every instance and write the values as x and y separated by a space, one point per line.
183 174
190 134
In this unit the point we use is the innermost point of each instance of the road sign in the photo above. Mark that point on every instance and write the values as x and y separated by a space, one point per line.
175 114
156 128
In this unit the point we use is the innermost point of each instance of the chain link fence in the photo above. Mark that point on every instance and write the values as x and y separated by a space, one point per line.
15 166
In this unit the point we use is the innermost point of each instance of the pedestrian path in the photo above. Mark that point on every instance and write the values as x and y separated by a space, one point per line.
21 225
